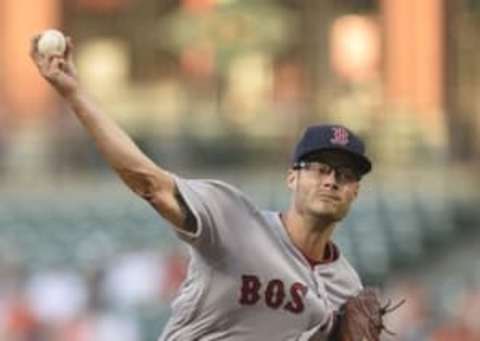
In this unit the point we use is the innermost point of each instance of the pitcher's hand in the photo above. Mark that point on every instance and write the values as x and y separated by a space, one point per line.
58 70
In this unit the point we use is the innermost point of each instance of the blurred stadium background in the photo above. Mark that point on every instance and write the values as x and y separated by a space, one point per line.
221 89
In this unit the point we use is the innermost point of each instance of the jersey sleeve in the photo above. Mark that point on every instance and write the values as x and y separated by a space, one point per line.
218 208
341 282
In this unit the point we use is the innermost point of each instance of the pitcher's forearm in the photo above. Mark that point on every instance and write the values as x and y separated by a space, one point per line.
134 167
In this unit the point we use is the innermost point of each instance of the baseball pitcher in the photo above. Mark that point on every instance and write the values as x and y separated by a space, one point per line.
253 274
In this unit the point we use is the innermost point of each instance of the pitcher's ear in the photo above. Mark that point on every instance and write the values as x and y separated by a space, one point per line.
356 190
292 176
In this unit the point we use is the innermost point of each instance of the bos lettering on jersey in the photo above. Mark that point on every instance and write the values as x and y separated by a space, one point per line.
274 293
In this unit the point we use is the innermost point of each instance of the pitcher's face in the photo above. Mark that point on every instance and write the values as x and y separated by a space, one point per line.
324 185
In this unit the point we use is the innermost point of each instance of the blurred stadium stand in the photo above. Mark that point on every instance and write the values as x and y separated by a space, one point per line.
388 228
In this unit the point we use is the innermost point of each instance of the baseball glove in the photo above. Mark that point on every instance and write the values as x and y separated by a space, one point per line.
361 317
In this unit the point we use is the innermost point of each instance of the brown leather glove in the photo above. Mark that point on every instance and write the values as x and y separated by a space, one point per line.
361 317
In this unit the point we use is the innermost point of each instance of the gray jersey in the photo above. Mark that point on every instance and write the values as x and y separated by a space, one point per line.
246 280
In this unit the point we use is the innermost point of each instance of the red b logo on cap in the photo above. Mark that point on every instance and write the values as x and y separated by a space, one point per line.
340 136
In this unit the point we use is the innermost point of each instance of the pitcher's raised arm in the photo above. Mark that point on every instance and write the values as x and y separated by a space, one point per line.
140 173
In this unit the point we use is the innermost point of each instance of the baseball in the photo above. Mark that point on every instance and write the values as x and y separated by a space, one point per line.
52 42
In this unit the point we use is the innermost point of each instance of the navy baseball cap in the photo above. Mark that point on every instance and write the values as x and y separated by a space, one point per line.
332 137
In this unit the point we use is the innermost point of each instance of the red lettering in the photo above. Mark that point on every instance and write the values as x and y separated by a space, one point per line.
275 293
249 292
298 292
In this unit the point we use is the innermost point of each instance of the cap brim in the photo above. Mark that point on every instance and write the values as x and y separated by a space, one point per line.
362 164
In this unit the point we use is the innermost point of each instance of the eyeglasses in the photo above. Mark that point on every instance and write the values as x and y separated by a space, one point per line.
343 174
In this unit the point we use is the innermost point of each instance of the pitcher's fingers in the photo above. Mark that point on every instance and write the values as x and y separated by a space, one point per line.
55 62
41 62
50 68
62 65
69 50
